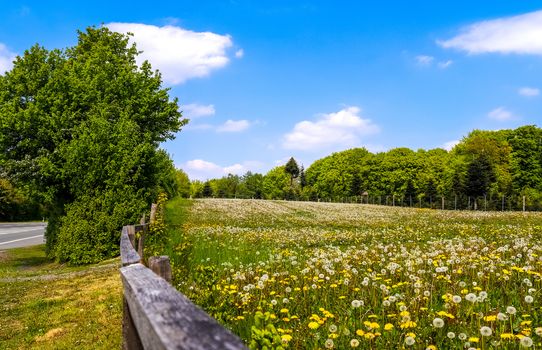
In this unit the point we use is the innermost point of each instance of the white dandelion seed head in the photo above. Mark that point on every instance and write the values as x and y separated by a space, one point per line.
526 342
409 341
486 331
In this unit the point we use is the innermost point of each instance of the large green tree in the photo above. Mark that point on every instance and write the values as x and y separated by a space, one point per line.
82 127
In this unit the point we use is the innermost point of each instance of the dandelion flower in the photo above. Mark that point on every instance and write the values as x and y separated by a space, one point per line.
356 303
329 344
456 299
471 297
451 335
438 322
529 299
286 338
526 342
501 316
485 331
511 310
313 325
409 341
332 328
354 343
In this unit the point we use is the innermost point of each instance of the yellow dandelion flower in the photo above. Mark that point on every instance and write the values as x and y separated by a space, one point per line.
360 332
388 327
490 318
407 324
474 339
314 325
369 336
286 338
507 336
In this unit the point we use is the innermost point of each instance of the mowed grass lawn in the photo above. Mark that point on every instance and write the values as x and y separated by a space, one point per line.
320 275
46 305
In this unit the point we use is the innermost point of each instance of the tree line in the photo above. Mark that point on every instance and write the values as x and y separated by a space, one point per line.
484 164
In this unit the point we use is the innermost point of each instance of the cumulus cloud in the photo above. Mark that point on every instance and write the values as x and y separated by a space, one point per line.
239 53
500 114
424 60
342 128
202 170
234 126
178 53
529 91
6 59
194 110
518 34
450 145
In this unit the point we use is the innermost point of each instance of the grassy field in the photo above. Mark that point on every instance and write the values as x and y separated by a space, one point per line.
320 275
45 305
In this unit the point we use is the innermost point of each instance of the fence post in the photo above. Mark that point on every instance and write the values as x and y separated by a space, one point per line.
523 203
160 265
153 213
442 202
130 229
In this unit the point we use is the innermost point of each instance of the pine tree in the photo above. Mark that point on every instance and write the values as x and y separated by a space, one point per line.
292 169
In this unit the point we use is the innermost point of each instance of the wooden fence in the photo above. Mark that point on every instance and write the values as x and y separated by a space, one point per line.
156 315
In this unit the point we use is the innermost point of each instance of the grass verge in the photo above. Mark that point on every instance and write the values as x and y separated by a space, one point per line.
46 305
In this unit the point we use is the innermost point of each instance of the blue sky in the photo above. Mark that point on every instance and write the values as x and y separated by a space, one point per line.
265 80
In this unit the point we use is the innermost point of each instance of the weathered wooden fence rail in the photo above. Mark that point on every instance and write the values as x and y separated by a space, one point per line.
156 315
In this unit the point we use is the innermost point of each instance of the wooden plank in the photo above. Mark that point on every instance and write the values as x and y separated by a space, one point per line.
128 255
130 338
166 319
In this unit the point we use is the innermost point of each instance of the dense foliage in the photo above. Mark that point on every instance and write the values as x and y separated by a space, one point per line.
80 128
493 168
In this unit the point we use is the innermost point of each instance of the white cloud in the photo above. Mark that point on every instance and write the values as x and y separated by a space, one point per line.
424 60
450 144
239 53
178 53
6 59
342 128
445 64
202 170
500 114
529 92
234 126
518 34
194 110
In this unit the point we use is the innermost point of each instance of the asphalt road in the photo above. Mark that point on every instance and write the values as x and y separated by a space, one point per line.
14 235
